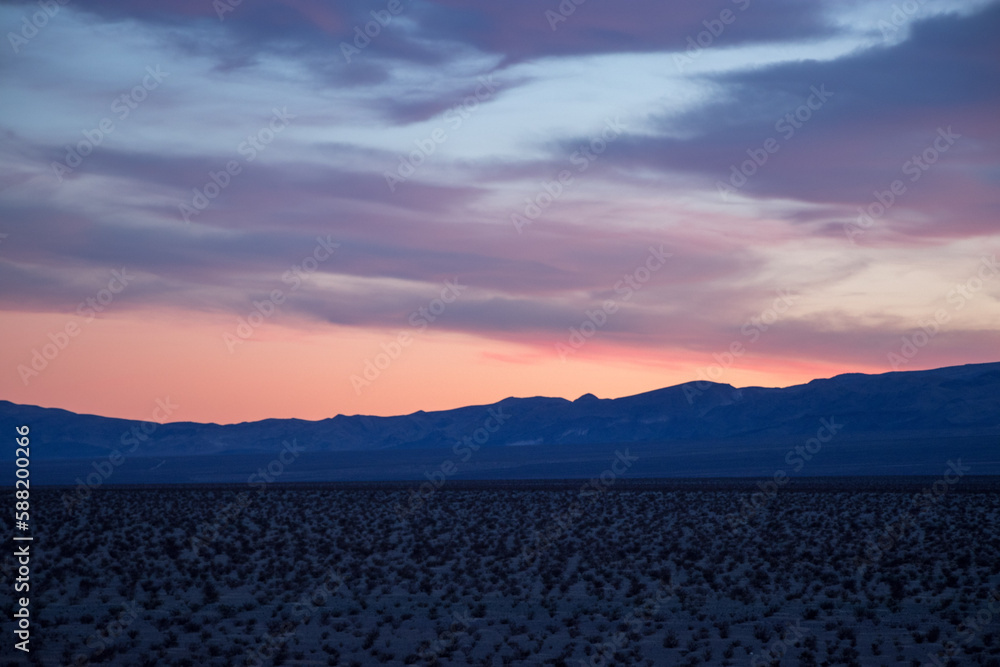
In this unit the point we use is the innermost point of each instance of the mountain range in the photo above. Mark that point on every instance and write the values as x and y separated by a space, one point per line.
892 412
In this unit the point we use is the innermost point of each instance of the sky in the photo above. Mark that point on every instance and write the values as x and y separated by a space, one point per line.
302 209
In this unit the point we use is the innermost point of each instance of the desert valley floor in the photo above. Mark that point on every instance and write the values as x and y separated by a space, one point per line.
834 572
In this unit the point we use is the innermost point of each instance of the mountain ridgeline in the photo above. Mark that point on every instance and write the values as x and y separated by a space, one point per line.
954 401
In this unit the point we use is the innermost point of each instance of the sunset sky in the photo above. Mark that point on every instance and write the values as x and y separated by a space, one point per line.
259 210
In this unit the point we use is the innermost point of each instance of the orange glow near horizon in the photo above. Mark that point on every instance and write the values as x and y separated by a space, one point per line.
120 366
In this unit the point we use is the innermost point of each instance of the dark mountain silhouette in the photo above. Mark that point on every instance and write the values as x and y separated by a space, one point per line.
961 400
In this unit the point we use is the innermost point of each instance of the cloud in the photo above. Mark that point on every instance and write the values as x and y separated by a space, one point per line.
522 29
656 185
879 109
517 30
